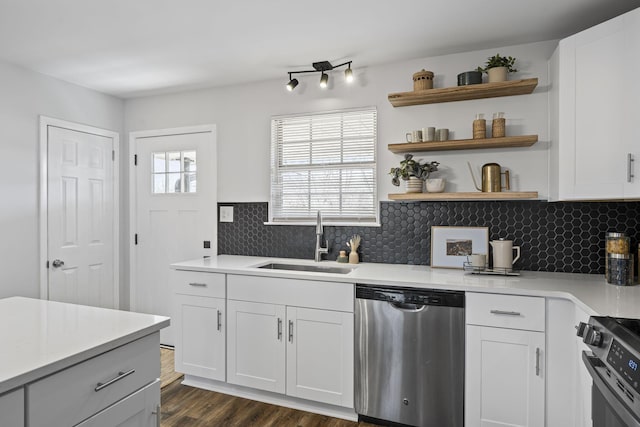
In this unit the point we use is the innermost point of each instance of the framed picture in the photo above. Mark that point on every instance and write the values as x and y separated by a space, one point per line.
451 245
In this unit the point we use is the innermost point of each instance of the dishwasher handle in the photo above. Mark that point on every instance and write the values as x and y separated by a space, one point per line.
407 307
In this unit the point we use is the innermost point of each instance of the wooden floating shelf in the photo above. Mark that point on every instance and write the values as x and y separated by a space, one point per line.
503 195
465 144
463 93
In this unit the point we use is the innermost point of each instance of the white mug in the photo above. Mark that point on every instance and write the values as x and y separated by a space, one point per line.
414 136
428 134
478 260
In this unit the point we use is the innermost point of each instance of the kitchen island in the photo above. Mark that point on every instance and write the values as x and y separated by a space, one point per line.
106 361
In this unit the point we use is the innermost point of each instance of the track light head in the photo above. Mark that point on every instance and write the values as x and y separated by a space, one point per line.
292 84
348 74
324 80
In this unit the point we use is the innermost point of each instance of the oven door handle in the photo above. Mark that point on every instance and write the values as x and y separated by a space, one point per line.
618 407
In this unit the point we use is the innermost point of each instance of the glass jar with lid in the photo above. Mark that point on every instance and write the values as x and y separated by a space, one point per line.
620 270
615 243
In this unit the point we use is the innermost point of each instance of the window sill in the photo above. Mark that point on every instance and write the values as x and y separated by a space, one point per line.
328 223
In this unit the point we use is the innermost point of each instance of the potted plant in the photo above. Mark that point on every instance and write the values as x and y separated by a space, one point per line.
413 172
497 67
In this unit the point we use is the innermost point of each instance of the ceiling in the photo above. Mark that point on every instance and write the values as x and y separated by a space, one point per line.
131 48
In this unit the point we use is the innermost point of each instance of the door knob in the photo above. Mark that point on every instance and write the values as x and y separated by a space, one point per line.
57 263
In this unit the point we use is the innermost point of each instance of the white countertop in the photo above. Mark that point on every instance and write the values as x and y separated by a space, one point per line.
588 291
40 337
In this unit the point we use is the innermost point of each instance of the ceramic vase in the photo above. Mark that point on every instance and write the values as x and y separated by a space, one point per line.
497 74
414 185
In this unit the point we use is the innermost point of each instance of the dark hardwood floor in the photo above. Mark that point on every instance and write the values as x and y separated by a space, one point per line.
184 406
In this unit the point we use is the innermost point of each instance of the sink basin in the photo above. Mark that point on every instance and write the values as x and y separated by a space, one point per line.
307 267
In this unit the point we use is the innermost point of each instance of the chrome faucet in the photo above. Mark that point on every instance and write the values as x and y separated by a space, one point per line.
319 249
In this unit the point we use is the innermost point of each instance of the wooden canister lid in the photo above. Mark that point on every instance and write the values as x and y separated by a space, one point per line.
423 75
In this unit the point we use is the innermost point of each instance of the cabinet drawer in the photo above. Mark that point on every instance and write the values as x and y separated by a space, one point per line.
505 311
198 283
69 396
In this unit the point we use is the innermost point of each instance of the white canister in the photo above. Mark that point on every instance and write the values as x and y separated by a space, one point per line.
503 254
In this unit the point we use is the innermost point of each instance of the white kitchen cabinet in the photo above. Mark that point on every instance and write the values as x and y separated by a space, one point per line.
12 408
95 385
199 323
256 350
320 355
595 149
198 312
504 377
505 361
140 409
293 337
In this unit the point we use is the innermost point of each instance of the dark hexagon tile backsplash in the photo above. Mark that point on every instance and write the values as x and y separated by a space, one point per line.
565 236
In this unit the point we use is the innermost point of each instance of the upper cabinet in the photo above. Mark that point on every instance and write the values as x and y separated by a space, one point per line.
595 89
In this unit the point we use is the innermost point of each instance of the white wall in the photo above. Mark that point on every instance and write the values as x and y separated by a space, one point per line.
242 114
24 96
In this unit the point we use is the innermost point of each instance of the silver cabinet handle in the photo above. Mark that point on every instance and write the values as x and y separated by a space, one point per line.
201 285
120 376
219 320
505 313
157 414
630 160
290 331
537 361
279 329
57 263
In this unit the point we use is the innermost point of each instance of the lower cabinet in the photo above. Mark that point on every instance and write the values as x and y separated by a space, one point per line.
505 361
200 336
505 383
12 408
140 409
293 337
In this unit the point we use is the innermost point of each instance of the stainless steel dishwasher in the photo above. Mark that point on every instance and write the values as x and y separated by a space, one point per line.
409 351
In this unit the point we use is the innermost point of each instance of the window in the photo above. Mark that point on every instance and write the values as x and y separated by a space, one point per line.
325 162
173 172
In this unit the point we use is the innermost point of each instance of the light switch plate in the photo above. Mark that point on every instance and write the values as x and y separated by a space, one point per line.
226 213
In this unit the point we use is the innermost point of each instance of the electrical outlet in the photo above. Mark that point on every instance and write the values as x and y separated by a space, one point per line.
226 213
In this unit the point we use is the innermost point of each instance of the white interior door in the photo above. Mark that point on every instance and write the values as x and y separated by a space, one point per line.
81 225
174 211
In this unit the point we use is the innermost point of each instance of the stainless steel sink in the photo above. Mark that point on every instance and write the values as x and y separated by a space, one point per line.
310 268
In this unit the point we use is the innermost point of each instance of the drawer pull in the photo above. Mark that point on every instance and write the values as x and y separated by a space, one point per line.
201 285
158 415
290 331
219 320
537 362
279 329
120 376
505 313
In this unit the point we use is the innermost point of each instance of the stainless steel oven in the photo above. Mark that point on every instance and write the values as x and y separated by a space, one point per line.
614 367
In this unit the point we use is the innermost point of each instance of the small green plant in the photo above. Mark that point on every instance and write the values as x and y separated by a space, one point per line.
499 61
409 167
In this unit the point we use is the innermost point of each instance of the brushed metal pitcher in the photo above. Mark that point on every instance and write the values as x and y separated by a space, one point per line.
491 178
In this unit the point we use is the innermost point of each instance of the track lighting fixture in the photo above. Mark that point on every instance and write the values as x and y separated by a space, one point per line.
321 67
292 83
324 80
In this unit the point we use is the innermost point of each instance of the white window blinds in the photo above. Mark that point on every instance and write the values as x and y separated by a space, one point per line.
325 162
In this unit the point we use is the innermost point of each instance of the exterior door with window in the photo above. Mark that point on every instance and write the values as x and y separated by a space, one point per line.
80 211
174 216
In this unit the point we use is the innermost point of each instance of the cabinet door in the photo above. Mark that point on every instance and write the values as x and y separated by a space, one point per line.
12 408
593 87
140 409
255 345
504 377
631 105
320 355
200 336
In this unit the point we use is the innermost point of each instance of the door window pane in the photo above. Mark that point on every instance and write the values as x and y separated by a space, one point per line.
173 172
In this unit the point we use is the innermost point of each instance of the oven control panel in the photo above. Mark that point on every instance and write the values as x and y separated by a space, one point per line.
624 364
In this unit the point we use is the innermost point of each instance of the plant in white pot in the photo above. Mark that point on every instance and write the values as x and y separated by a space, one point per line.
498 67
413 172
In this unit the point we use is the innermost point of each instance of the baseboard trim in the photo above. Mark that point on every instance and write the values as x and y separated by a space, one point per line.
272 398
